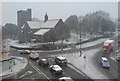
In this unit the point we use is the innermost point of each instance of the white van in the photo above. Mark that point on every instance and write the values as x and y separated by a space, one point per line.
34 55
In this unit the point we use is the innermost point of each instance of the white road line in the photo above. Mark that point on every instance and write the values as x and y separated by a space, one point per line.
25 74
35 68
38 70
34 75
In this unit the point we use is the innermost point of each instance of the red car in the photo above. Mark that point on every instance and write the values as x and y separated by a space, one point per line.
43 62
25 52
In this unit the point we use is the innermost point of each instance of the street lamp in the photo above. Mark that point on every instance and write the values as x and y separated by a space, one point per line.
84 61
80 42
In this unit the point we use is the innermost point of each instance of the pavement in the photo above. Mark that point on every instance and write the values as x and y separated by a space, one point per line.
12 67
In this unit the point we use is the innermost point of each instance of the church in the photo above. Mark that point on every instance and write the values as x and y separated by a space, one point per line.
44 31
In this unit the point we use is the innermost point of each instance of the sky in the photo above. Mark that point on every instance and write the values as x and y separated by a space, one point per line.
55 10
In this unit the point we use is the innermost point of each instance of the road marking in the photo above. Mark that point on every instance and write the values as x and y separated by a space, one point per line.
113 58
34 75
35 67
25 74
38 70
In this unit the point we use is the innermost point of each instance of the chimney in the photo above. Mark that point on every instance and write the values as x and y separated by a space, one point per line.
46 17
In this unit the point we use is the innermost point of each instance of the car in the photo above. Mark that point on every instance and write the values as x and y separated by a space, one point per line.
43 62
65 79
61 61
105 63
34 55
56 70
118 57
24 52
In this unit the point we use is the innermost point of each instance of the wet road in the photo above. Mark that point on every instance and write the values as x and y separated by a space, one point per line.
35 72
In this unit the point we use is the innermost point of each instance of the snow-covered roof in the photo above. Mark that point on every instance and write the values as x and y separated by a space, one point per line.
41 31
35 24
61 58
56 67
43 59
50 23
103 58
64 78
109 41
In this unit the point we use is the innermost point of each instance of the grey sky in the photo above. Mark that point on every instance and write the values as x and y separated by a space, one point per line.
56 9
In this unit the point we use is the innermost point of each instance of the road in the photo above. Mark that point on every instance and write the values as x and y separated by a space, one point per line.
38 72
114 65
44 73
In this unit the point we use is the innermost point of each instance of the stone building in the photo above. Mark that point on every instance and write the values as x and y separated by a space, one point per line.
45 30
23 16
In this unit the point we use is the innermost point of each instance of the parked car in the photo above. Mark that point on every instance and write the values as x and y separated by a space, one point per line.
24 52
105 63
65 79
43 62
34 55
56 70
61 61
118 57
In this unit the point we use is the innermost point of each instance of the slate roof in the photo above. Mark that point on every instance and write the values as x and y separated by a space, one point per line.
46 26
35 24
41 31
42 26
50 23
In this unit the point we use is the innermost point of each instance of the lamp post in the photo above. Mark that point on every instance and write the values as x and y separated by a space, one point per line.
80 42
22 35
84 61
29 35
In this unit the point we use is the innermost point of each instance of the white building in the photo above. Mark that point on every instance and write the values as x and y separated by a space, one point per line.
4 50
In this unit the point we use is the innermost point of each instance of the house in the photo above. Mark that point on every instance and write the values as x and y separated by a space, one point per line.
45 30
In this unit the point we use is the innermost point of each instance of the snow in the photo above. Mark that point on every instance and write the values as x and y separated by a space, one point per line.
109 41
65 78
104 58
43 59
41 31
20 64
50 23
35 24
62 58
85 65
93 43
16 44
56 67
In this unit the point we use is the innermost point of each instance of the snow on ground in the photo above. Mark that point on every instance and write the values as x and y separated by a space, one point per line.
88 44
90 70
92 43
16 44
20 63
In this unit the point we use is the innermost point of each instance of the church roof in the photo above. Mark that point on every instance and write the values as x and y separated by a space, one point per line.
50 23
41 31
41 24
34 24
